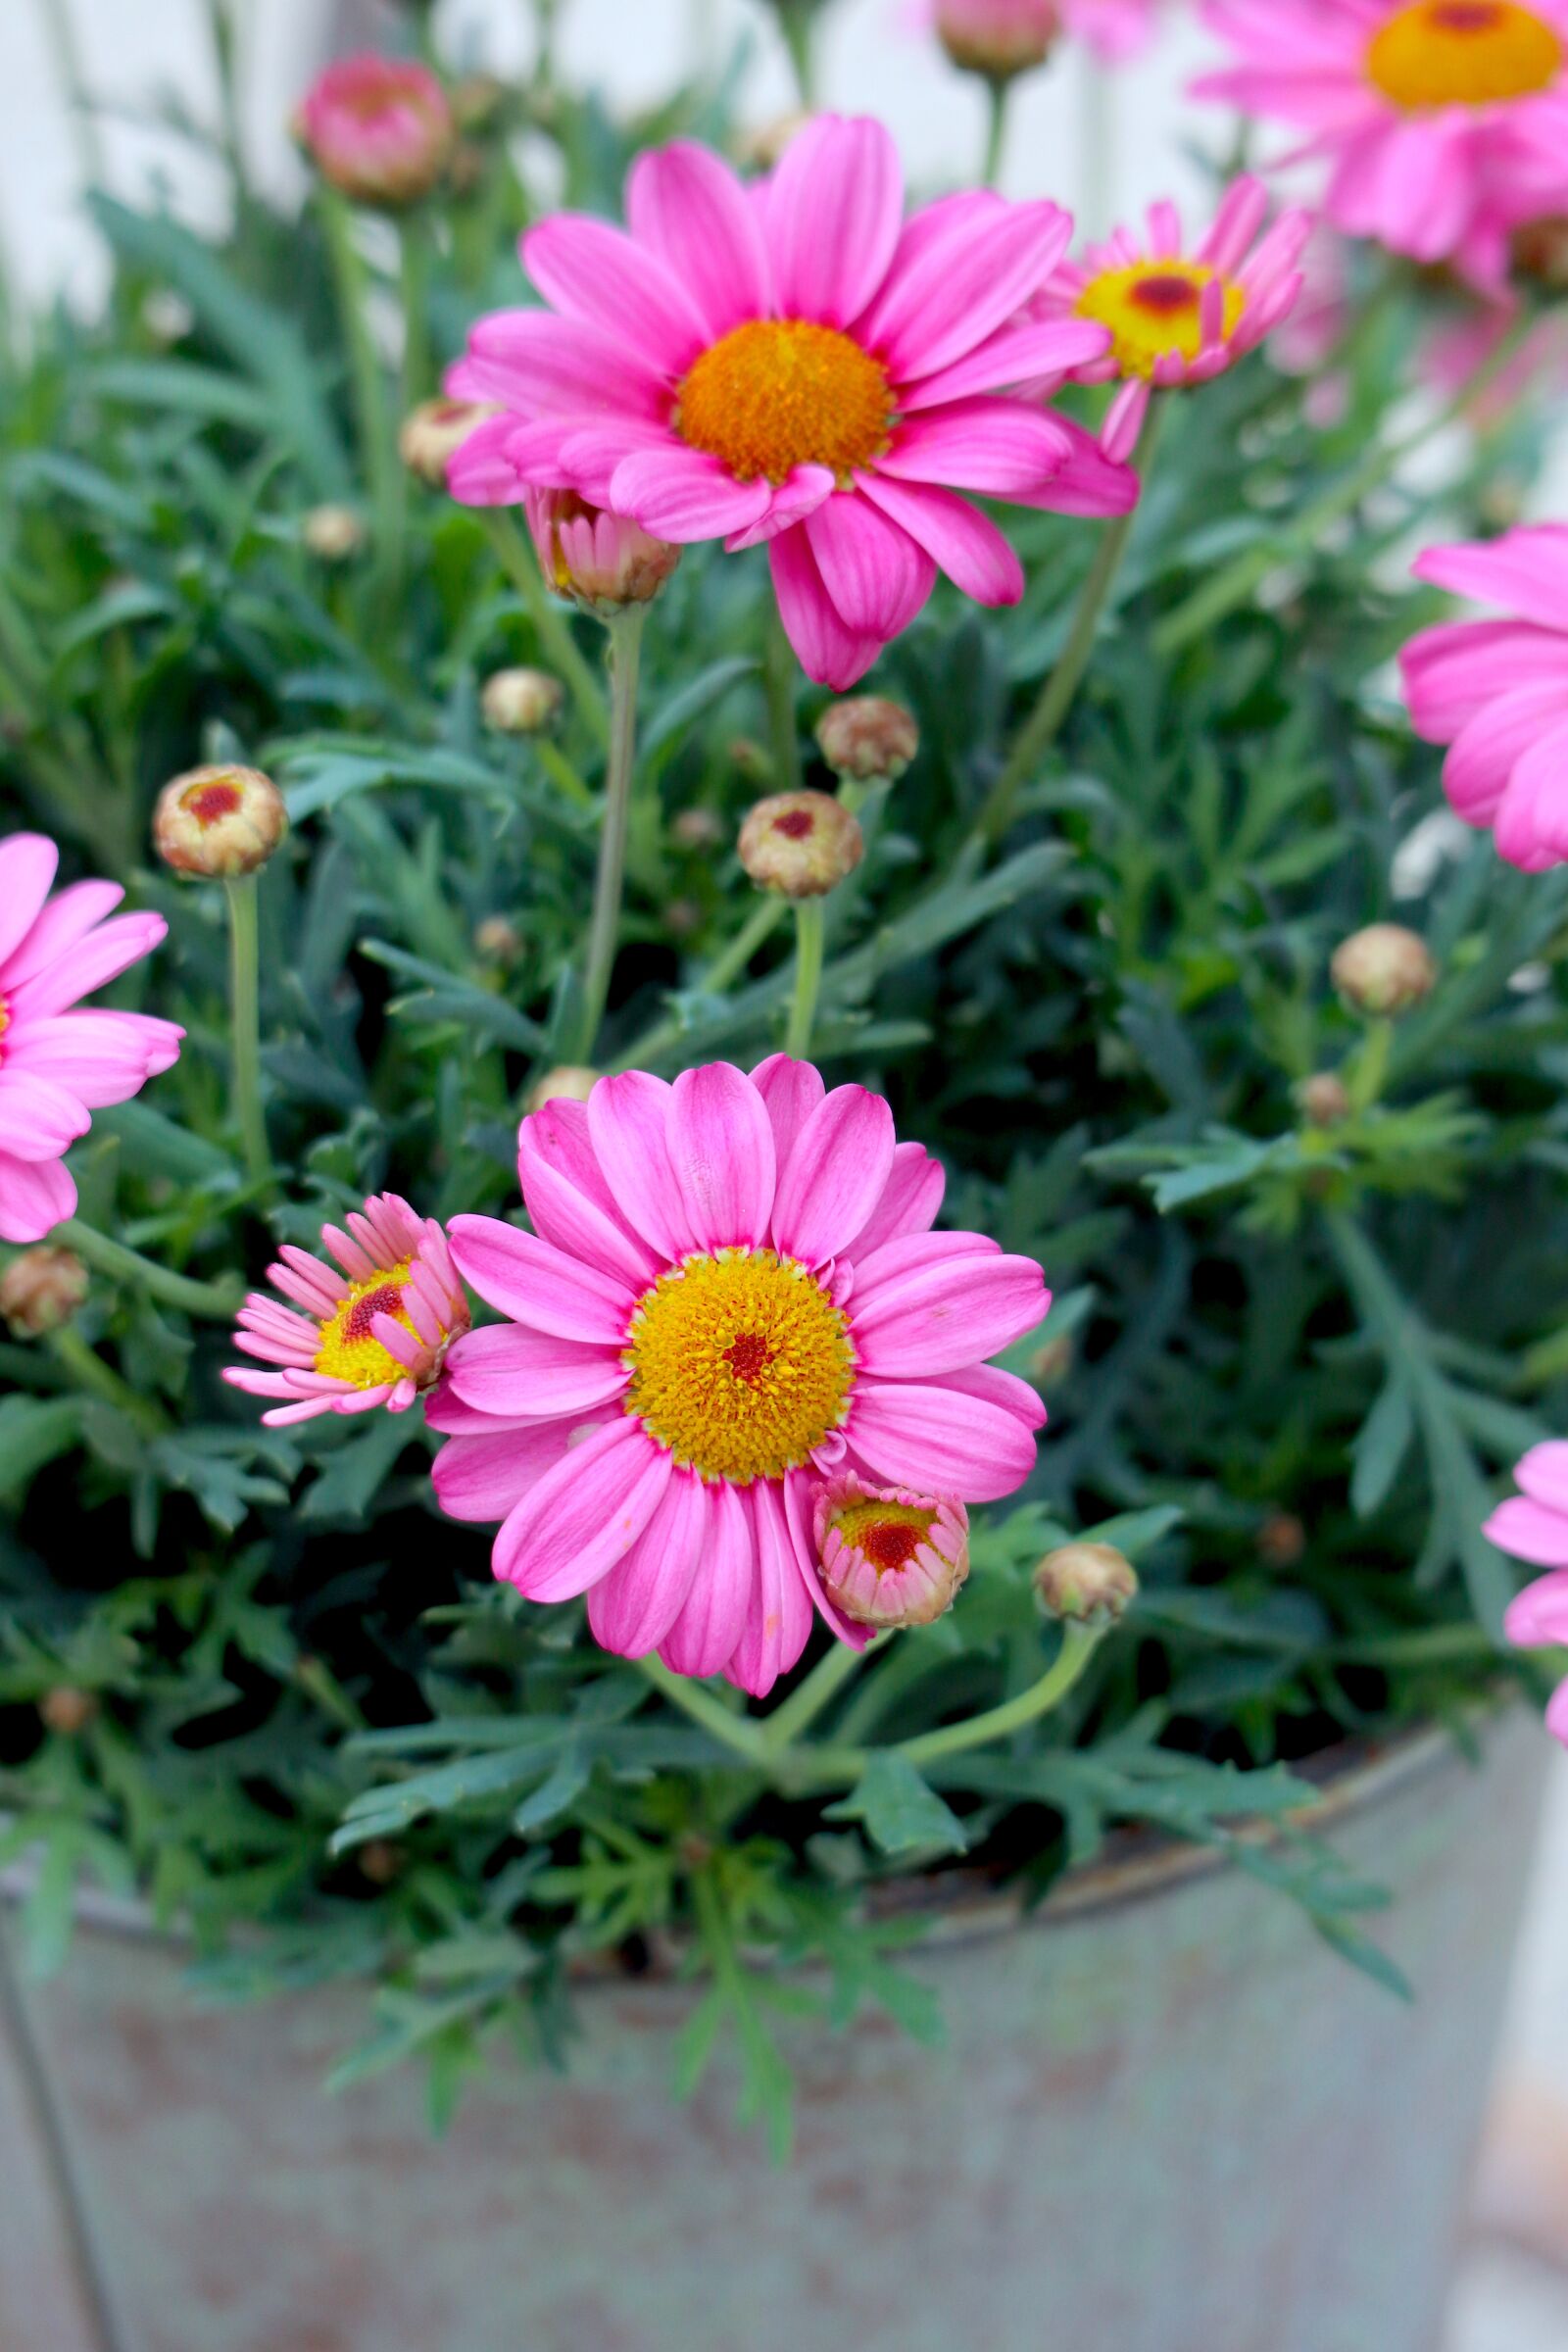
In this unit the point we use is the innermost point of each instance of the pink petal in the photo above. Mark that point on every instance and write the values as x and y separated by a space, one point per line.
628 1123
799 1489
69 916
937 1441
713 1616
632 1609
1125 418
35 1196
92 963
1532 823
684 495
542 365
481 473
876 575
961 285
792 1091
1530 1531
778 1621
945 1315
800 494
689 208
27 867
1525 572
585 1513
997 446
1539 1616
569 1200
834 1176
964 543
538 1285
1557 1714
531 1375
38 1119
1489 746
1543 1474
993 1386
1088 483
829 653
835 207
722 1150
1015 355
588 269
908 1201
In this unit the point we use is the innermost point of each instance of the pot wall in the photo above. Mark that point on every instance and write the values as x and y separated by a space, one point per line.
1170 2122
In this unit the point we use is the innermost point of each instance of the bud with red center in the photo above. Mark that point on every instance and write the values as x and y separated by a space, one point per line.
220 822
866 739
888 1556
41 1290
430 435
801 843
998 37
597 561
378 128
1384 970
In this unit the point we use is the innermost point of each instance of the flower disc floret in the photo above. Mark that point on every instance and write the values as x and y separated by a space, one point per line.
741 1364
779 393
1463 53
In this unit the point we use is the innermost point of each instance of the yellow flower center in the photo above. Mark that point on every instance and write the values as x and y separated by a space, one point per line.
350 1349
1463 53
741 1364
1154 308
779 393
889 1533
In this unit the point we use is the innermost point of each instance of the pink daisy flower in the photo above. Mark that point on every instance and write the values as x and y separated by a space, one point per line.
796 364
1497 690
1427 111
374 1328
1533 1526
731 1290
1173 317
57 1065
889 1556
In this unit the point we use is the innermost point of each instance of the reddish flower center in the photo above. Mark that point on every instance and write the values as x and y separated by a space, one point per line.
1164 291
779 393
888 1545
384 1301
795 824
209 804
1463 53
749 1356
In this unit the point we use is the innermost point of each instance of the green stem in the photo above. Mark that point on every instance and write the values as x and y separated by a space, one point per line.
811 933
378 455
726 965
1079 1644
796 22
625 655
1039 730
550 623
216 1301
738 1732
779 680
220 26
1097 114
999 90
88 1371
1236 581
414 252
553 760
245 1019
807 1703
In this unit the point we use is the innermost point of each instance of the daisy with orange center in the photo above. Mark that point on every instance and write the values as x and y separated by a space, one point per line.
1430 112
1176 316
796 365
373 1330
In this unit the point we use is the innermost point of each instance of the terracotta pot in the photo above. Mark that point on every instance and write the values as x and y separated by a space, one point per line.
1166 2120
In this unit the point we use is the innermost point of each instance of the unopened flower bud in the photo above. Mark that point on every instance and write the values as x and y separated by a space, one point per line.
762 149
598 561
683 918
478 101
499 942
998 37
430 435
218 821
381 1862
1281 1540
571 1083
378 128
334 533
801 843
1089 1584
698 829
868 739
1325 1099
1384 970
520 702
888 1556
67 1710
41 1290
1051 1364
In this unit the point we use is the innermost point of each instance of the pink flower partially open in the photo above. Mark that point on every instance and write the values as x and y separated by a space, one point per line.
796 364
1426 111
888 1555
1533 1525
731 1290
1174 317
57 1065
1497 690
379 128
374 1328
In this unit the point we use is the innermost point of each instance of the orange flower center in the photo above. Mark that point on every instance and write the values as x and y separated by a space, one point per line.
209 804
1153 308
1463 53
779 393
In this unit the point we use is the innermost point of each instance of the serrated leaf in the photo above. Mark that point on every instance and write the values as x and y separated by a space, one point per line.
900 1812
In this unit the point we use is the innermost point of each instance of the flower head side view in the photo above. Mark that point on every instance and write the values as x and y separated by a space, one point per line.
60 1062
796 364
732 1293
1432 113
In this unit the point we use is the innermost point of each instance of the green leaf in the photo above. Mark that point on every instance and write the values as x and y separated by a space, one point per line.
33 1432
901 1813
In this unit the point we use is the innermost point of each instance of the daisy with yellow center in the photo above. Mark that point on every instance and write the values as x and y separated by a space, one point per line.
1434 115
890 1556
732 1291
373 1330
1174 317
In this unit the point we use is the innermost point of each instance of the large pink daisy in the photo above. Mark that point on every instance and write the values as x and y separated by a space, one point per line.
1497 690
731 1290
1428 110
59 1066
1533 1525
796 364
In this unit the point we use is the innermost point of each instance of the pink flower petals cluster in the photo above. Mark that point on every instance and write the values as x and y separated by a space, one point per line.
379 128
646 1200
1533 1526
59 1064
799 365
1417 177
1496 692
368 1332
